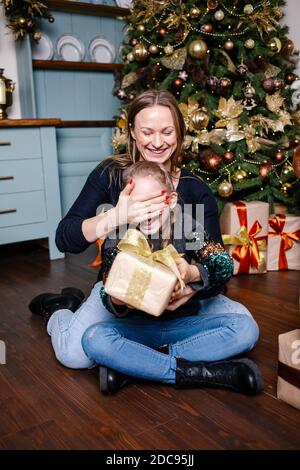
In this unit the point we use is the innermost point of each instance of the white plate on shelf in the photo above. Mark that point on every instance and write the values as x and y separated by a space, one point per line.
43 49
101 50
69 47
124 3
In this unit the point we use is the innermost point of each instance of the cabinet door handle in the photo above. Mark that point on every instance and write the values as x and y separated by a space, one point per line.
7 211
5 143
3 178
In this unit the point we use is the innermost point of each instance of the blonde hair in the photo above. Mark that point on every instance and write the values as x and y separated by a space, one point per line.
149 99
160 174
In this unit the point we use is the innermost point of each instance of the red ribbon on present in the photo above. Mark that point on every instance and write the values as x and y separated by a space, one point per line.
277 223
248 253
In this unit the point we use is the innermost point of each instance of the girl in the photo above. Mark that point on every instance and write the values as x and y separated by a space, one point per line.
198 339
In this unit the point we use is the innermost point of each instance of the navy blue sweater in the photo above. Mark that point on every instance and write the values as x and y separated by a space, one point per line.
98 190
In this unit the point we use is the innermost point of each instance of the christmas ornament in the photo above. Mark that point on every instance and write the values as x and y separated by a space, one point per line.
161 32
239 175
268 85
169 49
131 96
225 83
278 84
290 77
274 45
37 35
153 49
265 170
212 83
228 156
210 160
228 45
197 49
183 74
242 70
206 28
286 169
285 188
199 119
22 21
176 60
296 160
140 52
288 47
133 42
195 12
219 15
248 9
177 84
249 102
141 28
225 189
121 94
51 19
212 4
278 156
249 43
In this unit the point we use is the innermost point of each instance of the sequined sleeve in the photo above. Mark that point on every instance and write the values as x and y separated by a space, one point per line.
214 263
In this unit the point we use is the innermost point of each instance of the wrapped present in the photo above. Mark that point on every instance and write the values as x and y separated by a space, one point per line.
288 383
244 227
140 278
283 242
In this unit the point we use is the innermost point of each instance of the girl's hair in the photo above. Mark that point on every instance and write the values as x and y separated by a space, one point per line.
160 174
149 99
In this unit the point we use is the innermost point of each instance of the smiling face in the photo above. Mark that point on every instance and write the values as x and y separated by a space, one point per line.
155 134
148 184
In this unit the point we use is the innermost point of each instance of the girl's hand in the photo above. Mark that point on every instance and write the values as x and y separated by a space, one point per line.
180 298
188 272
135 209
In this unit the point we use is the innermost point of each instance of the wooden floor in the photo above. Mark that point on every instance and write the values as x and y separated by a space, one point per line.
46 406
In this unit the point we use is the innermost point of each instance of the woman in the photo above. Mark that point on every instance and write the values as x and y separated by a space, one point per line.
156 133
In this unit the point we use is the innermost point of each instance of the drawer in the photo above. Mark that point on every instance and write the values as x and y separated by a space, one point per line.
21 175
22 208
17 144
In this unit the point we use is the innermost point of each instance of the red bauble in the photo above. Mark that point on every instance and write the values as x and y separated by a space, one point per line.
210 160
225 83
278 156
290 77
268 85
265 170
133 41
161 32
228 157
206 28
177 84
278 84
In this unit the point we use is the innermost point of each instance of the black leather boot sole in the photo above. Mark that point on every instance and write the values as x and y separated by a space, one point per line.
111 381
37 307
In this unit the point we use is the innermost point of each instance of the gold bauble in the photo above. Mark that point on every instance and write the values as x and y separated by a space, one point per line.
130 57
199 119
249 44
274 45
285 188
239 175
248 9
286 169
225 189
153 49
195 12
197 49
228 45
140 52
141 28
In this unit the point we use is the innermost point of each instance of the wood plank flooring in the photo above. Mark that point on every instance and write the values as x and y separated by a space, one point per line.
46 406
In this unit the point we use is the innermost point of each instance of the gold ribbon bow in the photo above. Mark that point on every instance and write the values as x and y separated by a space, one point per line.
248 245
135 241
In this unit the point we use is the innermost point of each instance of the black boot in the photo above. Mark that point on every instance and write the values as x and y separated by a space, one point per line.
111 381
46 304
238 375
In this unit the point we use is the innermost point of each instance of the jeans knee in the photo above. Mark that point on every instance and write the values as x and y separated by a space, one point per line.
97 342
73 359
247 332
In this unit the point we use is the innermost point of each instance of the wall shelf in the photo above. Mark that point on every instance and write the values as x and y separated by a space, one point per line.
87 8
86 123
69 65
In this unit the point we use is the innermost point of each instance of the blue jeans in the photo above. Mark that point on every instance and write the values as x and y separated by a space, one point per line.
222 328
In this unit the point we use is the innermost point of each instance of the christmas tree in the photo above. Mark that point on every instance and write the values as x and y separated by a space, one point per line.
231 66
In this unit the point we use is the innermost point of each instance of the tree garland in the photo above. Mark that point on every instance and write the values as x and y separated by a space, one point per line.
24 15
